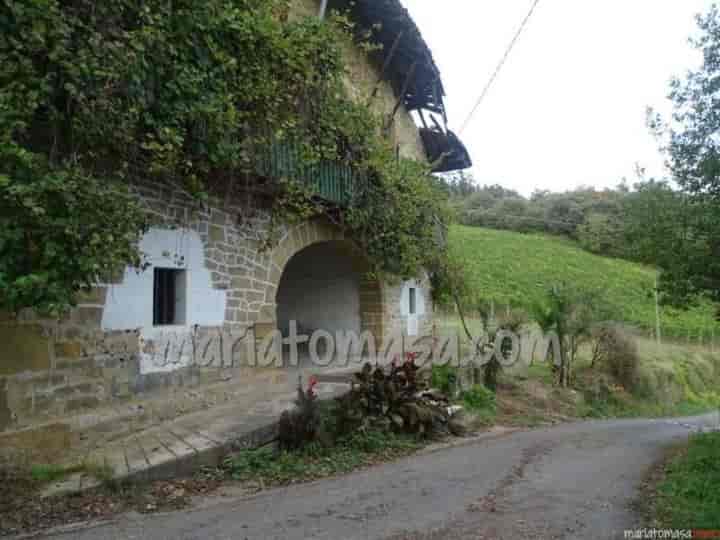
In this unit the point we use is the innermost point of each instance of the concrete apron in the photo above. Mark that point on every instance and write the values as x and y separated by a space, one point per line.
181 446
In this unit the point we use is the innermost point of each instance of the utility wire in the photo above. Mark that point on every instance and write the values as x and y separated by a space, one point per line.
499 66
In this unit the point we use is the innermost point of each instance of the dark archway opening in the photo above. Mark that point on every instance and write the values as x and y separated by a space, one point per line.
327 286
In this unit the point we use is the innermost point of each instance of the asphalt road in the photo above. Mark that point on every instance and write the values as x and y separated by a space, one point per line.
569 481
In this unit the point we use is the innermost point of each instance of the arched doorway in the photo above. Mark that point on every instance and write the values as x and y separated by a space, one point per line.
326 286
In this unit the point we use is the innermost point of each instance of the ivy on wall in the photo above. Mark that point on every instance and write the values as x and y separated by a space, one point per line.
94 94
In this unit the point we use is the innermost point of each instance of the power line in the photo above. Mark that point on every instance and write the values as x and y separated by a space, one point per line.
499 66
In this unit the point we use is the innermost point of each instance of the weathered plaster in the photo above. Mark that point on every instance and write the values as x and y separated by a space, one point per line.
129 305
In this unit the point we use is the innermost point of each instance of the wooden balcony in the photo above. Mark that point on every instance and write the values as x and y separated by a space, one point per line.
334 182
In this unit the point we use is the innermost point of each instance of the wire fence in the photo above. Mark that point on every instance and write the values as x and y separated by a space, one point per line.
704 335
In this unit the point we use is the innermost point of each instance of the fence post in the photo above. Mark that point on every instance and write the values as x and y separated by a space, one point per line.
712 339
658 334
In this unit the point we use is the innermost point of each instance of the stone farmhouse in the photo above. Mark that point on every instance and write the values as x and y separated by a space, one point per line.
164 330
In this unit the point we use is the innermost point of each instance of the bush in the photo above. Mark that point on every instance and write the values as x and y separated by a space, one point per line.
304 424
617 352
444 378
479 398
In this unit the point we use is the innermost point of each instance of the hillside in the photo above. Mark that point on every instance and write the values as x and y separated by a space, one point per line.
514 268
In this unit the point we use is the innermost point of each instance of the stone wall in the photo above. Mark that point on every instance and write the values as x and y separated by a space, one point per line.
107 350
50 369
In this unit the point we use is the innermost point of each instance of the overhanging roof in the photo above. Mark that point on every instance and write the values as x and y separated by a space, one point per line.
386 20
409 66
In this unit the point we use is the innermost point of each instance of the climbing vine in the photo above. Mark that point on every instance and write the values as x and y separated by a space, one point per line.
96 95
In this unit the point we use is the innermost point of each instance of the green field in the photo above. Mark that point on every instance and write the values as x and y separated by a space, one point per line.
517 269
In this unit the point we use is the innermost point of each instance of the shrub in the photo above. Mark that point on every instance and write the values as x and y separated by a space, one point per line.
617 352
393 400
303 425
479 398
444 378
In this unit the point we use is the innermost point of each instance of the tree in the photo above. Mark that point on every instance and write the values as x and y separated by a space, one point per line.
691 140
653 217
62 232
599 233
570 313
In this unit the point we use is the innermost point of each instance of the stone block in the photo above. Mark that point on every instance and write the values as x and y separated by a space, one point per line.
270 294
255 296
241 283
275 274
264 329
47 380
80 403
46 444
217 234
268 312
261 274
87 316
39 403
122 342
95 296
23 348
218 218
121 390
84 366
69 349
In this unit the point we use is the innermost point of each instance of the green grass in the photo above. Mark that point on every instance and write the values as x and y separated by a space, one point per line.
444 378
478 398
44 474
517 269
270 467
52 473
690 493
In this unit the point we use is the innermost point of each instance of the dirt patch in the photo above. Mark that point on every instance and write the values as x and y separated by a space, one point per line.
22 510
529 403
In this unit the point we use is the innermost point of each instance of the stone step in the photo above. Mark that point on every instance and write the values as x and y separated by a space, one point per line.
180 447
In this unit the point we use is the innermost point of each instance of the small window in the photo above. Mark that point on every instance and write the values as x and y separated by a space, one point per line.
413 300
169 297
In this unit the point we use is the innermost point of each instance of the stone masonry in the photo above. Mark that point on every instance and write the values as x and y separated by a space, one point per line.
52 370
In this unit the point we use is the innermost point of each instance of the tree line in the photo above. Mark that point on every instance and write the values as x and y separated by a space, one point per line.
615 222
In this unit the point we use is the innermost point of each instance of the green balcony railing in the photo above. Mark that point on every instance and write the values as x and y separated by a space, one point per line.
332 181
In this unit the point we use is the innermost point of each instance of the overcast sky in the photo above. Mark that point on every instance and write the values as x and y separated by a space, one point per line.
569 106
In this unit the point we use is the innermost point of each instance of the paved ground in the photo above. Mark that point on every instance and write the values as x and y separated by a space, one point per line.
163 448
570 481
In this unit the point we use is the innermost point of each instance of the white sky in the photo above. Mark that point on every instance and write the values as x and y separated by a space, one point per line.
568 109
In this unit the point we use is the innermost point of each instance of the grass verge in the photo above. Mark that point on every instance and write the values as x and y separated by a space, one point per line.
689 495
271 468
